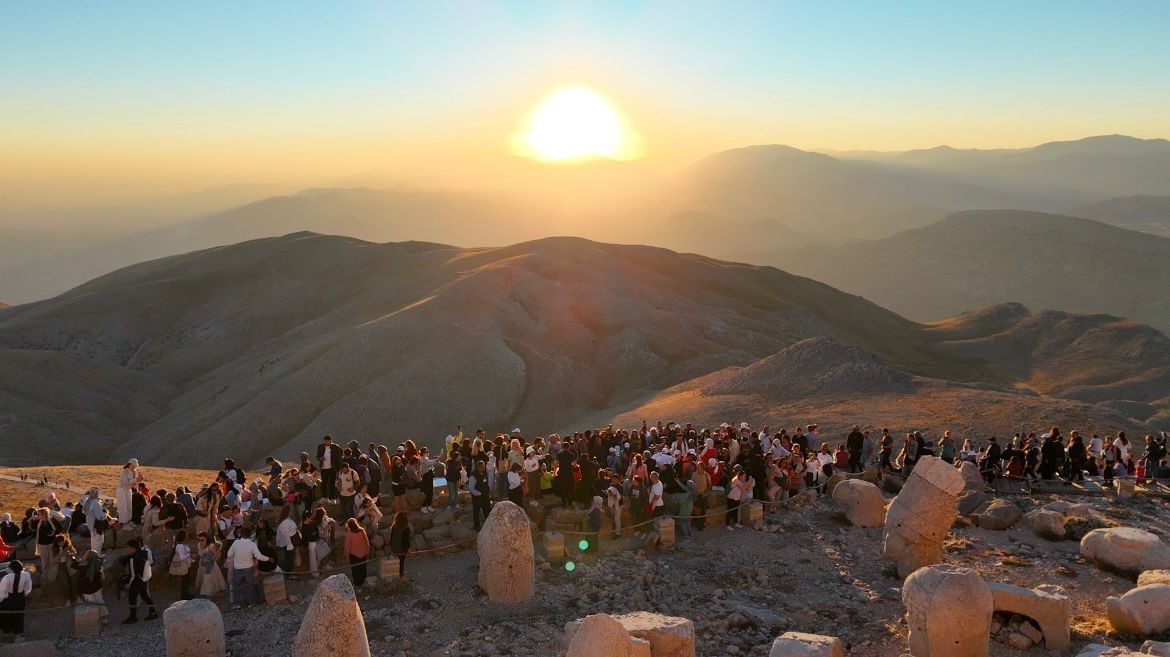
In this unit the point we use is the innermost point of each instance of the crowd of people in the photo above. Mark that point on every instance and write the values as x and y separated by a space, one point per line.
222 536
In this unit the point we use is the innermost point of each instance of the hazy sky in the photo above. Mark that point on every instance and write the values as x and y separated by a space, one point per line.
147 97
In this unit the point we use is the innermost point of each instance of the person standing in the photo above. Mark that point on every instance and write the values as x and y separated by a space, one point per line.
286 540
855 444
481 497
182 564
328 461
401 538
244 557
357 549
310 537
614 504
15 587
128 479
516 485
348 482
139 568
90 580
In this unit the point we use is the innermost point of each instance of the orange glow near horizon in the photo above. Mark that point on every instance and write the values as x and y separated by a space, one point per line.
576 124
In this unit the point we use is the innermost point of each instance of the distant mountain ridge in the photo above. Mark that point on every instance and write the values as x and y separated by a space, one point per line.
262 347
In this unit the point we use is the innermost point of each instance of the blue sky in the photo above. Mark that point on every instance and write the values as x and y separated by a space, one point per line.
694 76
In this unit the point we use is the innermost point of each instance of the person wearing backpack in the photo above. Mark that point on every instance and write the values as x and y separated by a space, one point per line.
288 539
90 579
138 567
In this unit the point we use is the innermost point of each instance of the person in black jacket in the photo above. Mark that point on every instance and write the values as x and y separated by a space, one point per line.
401 537
1051 454
139 582
328 463
855 443
481 496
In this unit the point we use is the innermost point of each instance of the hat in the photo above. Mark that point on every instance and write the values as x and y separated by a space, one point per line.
400 448
691 452
626 445
724 425
737 468
665 450
134 462
677 453
530 450
744 425
516 431
711 463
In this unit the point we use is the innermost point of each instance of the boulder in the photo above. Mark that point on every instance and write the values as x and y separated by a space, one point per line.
333 624
1069 509
799 644
506 556
1098 650
668 636
1159 648
194 628
1045 524
444 517
972 480
1126 549
971 501
948 611
918 519
834 480
1153 577
998 514
863 502
1141 611
599 635
1047 604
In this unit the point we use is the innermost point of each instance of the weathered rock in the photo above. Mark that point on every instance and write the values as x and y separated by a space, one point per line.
1158 648
863 502
87 621
972 480
1045 523
1126 549
1098 650
1048 605
998 514
1153 577
194 628
39 648
1143 610
333 625
506 557
970 502
834 480
920 516
1065 508
948 611
669 636
599 635
799 644
1125 488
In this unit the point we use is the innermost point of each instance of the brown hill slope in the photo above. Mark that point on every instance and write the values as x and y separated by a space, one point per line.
266 345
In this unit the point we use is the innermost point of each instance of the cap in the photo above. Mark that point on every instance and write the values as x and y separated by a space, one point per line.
516 431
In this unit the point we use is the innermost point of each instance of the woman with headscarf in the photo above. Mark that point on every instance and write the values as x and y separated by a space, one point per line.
89 581
208 580
96 519
128 479
15 587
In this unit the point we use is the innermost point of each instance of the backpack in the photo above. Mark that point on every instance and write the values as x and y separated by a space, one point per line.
241 478
147 571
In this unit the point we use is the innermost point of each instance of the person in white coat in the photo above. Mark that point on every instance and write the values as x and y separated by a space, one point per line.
128 479
96 518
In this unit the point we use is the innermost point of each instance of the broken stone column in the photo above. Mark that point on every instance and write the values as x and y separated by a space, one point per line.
799 644
948 610
920 516
863 502
599 635
87 621
1046 604
664 529
1126 549
756 515
506 556
669 636
194 628
274 589
972 479
333 624
1141 611
1125 488
554 547
388 567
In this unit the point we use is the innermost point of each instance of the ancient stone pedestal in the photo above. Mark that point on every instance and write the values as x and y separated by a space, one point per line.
664 528
87 621
799 644
863 502
1046 604
948 612
506 555
756 515
1143 610
920 516
1125 488
194 628
388 567
274 589
554 547
333 624
669 636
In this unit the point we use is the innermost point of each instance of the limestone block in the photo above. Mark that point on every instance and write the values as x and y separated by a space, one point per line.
333 624
799 644
194 628
1047 604
1126 549
1143 610
863 502
972 480
1125 488
506 555
669 636
554 547
1046 524
998 514
948 611
1153 577
834 481
756 515
664 528
87 621
599 635
388 568
274 589
919 518
1158 648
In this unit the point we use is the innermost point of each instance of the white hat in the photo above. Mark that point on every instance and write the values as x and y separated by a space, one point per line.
691 452
516 430
724 425
530 450
744 425
134 462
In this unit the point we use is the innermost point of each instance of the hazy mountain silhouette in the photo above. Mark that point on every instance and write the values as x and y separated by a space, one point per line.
975 259
1145 213
266 345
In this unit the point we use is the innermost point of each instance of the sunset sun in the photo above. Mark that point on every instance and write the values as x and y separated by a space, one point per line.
576 123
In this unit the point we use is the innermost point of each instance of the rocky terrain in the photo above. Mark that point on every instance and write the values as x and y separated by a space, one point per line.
264 346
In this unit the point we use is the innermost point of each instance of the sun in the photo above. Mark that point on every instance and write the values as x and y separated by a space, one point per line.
575 123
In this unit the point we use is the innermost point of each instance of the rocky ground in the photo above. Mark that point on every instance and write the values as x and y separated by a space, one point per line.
808 570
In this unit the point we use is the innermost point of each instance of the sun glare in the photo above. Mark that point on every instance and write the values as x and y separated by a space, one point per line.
576 123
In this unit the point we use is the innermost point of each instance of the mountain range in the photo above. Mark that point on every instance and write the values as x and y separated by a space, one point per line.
263 346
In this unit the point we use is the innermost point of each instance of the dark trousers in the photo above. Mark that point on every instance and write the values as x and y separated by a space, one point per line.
12 622
480 504
401 563
700 512
428 488
328 483
357 567
565 489
186 581
516 496
139 588
732 511
855 461
347 510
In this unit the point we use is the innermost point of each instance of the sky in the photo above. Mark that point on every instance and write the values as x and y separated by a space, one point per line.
124 98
